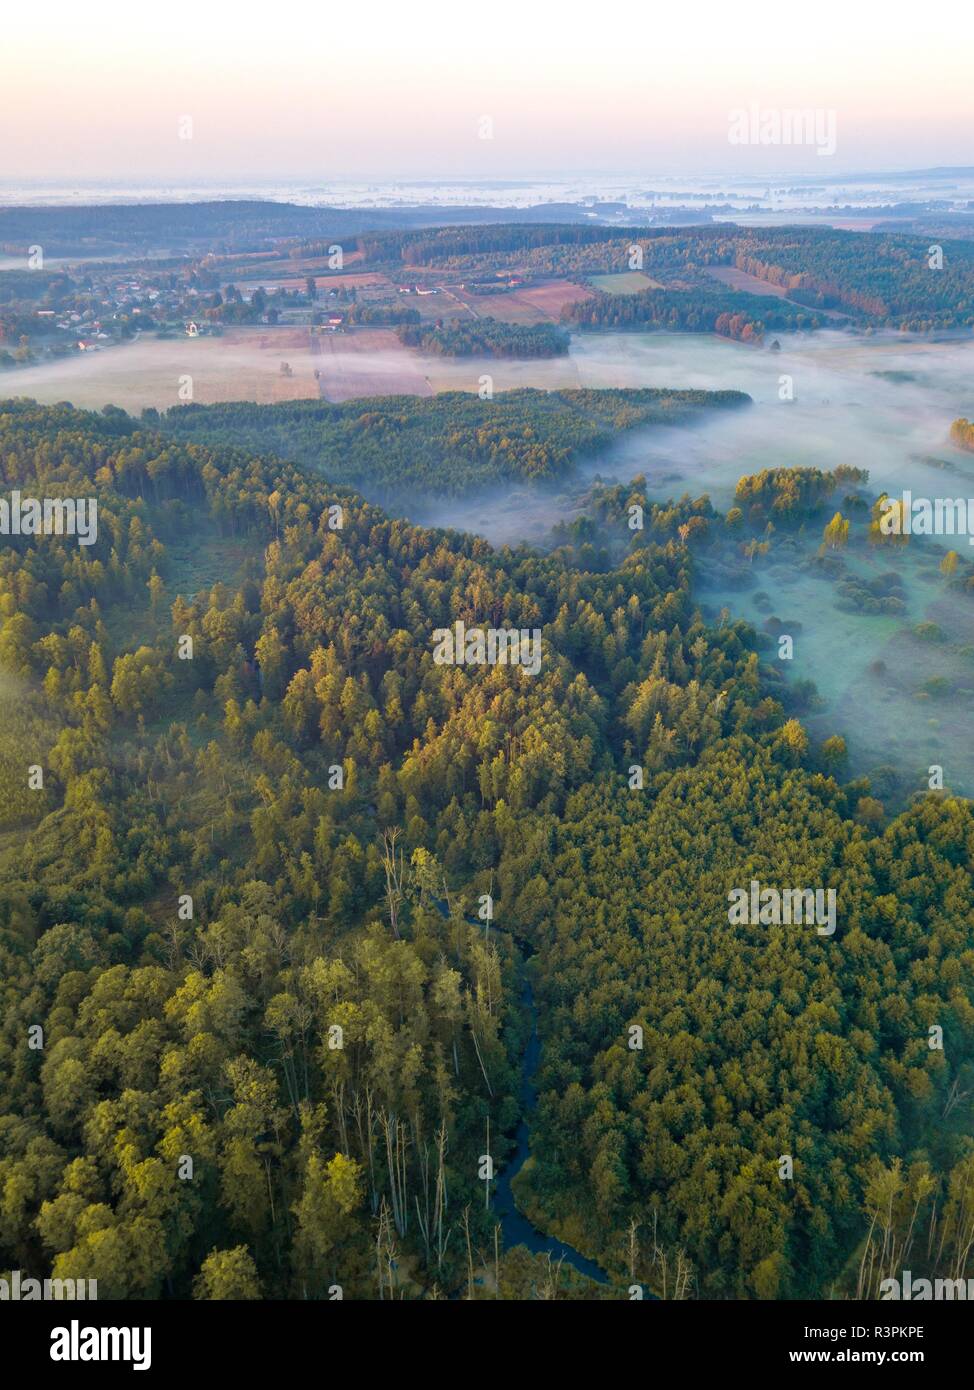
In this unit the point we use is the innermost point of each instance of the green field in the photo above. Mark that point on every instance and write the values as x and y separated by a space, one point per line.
624 282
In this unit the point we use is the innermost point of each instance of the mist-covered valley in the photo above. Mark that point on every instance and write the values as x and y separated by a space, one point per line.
903 701
883 402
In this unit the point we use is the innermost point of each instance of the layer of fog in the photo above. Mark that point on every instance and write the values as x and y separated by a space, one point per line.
161 372
884 403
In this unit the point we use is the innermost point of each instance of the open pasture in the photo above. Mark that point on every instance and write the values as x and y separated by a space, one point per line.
366 362
532 304
625 282
243 364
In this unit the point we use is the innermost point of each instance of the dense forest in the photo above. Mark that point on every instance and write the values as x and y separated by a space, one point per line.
488 337
790 495
889 281
395 447
553 249
382 315
745 317
254 1041
448 245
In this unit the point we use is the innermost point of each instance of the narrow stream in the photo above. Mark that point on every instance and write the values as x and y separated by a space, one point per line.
515 1226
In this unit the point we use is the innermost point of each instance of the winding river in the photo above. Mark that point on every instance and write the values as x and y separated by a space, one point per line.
515 1226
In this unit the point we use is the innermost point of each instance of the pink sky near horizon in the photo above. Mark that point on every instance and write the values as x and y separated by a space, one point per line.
98 91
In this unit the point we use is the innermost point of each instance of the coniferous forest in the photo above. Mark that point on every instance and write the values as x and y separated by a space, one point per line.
486 688
283 900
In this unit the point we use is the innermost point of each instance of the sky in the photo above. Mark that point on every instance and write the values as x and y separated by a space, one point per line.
474 90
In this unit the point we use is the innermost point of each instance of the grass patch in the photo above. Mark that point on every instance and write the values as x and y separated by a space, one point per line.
624 282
